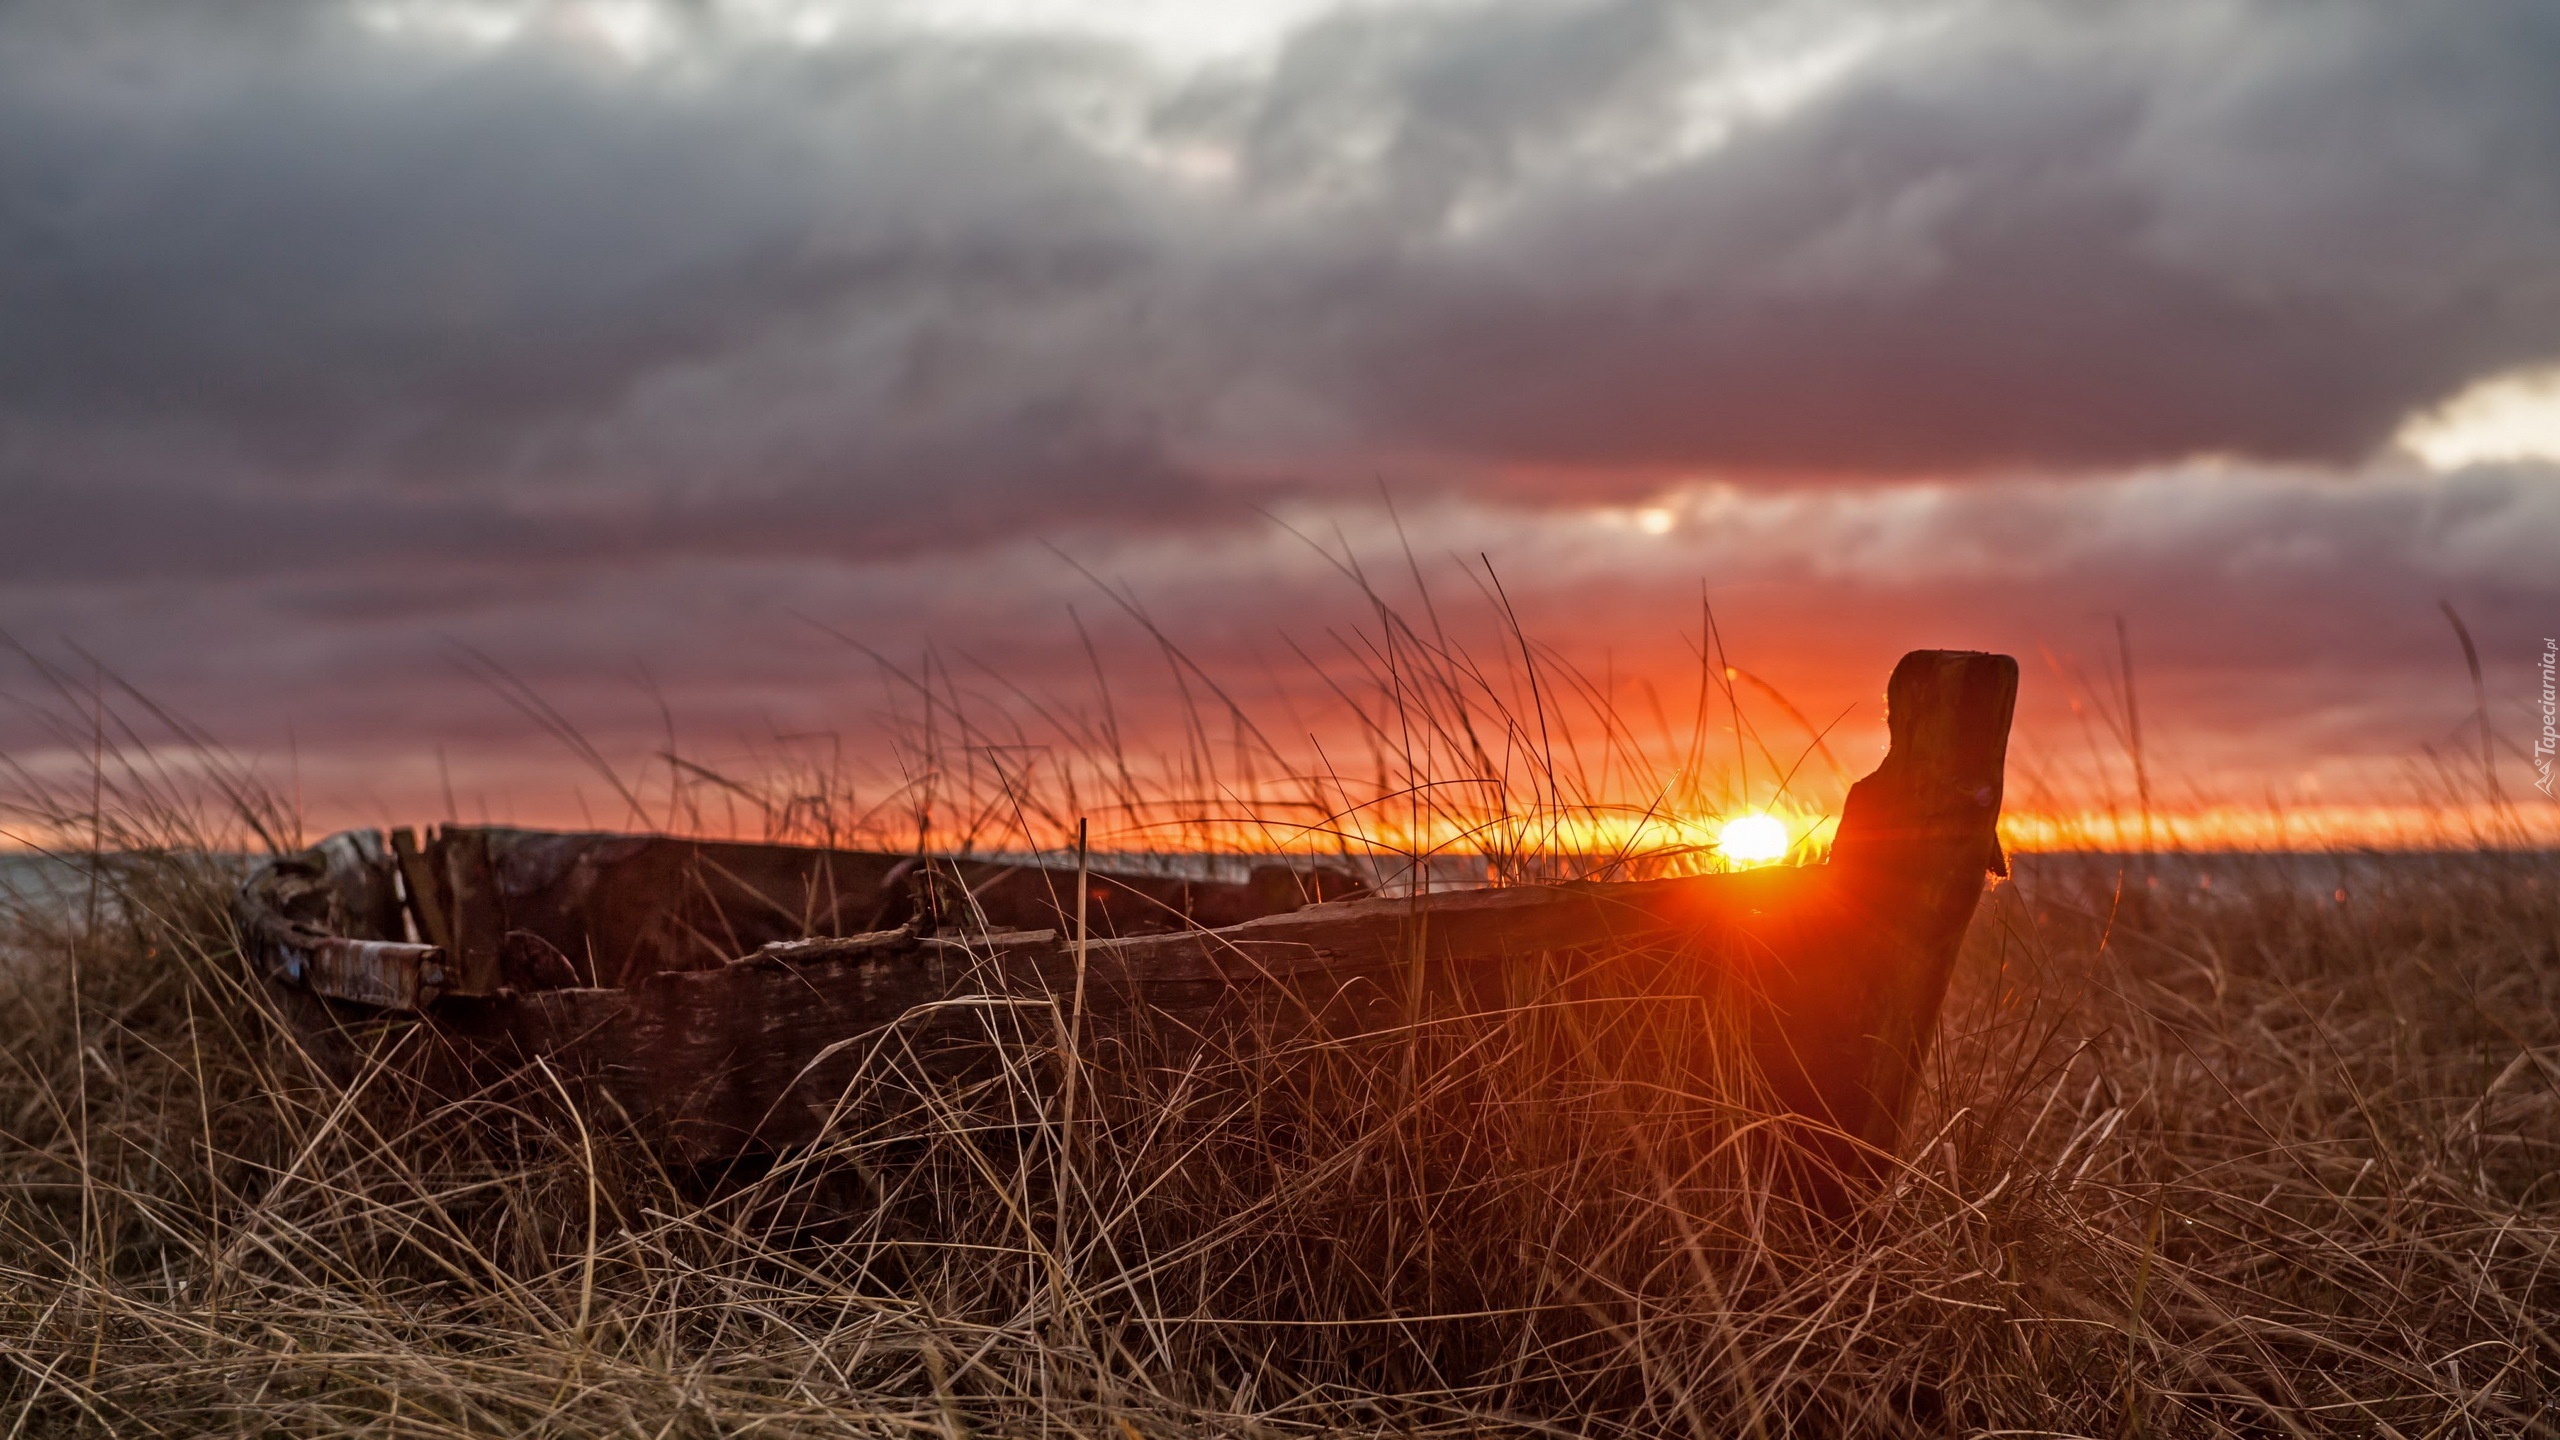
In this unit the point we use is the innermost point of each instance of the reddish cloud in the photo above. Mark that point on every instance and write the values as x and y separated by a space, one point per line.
2285 627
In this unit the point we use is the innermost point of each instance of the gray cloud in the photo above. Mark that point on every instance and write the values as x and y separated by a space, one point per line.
2018 239
294 286
279 287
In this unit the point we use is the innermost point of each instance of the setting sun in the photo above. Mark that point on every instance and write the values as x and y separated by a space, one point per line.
1753 839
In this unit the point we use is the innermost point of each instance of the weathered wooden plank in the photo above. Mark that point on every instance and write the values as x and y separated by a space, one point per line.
754 1052
388 974
427 904
614 909
477 923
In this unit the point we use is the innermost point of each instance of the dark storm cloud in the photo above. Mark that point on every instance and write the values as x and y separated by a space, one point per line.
272 284
278 286
2071 239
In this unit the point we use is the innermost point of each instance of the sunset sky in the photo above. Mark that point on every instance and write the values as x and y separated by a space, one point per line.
637 347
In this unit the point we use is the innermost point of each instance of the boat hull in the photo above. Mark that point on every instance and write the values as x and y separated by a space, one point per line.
733 997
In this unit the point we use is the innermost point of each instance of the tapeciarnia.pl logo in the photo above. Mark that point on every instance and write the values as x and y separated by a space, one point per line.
2549 740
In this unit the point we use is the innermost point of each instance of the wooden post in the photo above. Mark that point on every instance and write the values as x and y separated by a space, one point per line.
1848 1014
477 927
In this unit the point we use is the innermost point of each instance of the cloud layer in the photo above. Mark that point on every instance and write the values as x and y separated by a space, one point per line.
284 282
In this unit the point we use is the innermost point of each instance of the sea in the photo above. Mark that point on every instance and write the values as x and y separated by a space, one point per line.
28 878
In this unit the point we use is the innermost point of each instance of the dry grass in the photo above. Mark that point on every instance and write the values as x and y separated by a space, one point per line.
2266 1158
2254 1163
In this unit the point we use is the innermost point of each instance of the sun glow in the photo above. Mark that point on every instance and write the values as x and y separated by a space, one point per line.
1753 839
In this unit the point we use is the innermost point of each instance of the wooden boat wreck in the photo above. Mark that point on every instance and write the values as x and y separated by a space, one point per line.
714 991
